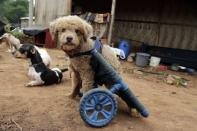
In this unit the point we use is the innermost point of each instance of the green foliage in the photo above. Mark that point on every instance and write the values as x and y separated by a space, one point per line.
12 10
19 35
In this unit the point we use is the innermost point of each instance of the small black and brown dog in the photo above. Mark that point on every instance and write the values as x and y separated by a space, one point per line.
38 72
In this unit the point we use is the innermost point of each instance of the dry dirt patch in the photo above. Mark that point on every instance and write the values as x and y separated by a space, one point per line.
47 108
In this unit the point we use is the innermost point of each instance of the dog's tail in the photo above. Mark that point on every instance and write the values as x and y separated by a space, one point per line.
64 69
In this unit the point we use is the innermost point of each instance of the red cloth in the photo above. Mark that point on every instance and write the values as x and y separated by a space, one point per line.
49 42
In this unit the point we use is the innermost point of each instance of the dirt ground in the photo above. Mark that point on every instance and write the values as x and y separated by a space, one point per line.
47 108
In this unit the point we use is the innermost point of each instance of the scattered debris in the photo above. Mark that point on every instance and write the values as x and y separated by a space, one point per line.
176 80
119 52
191 71
161 75
170 80
182 69
19 127
162 67
130 58
129 71
150 72
138 72
130 127
9 125
154 71
174 67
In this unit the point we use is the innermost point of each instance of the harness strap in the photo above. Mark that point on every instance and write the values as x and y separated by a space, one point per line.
97 46
81 54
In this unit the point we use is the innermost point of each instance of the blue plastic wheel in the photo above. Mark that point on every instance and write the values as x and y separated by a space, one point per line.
98 107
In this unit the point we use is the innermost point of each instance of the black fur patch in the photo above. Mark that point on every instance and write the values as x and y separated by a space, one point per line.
47 75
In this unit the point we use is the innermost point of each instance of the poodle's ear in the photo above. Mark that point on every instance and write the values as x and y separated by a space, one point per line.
53 31
88 30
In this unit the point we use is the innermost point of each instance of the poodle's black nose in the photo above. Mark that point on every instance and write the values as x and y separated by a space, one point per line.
69 39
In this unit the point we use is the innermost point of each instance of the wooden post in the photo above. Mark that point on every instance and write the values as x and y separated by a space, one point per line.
69 7
30 13
111 22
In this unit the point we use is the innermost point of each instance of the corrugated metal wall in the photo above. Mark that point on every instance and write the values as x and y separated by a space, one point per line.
48 10
171 23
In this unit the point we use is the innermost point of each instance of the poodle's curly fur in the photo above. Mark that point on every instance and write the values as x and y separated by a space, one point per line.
73 34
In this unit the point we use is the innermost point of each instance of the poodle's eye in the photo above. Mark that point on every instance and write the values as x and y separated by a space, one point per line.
77 31
63 30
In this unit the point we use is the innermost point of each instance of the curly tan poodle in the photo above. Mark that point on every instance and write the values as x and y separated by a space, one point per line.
74 36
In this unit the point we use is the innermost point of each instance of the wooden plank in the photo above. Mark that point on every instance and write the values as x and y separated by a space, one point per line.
112 21
40 12
48 10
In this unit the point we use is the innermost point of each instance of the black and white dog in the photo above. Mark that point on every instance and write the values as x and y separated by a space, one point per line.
14 44
39 73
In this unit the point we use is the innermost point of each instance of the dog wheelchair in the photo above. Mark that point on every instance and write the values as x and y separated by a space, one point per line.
99 106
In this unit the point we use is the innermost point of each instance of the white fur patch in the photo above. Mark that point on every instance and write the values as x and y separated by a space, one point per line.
34 75
56 70
44 55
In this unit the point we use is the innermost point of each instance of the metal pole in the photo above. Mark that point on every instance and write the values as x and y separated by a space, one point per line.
112 21
30 13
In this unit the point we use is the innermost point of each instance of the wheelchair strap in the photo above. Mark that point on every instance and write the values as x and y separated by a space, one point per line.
97 45
81 54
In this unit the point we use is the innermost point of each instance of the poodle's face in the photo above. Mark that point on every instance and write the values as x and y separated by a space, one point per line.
70 32
70 38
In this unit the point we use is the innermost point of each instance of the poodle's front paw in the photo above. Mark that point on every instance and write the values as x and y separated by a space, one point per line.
80 94
70 95
134 113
